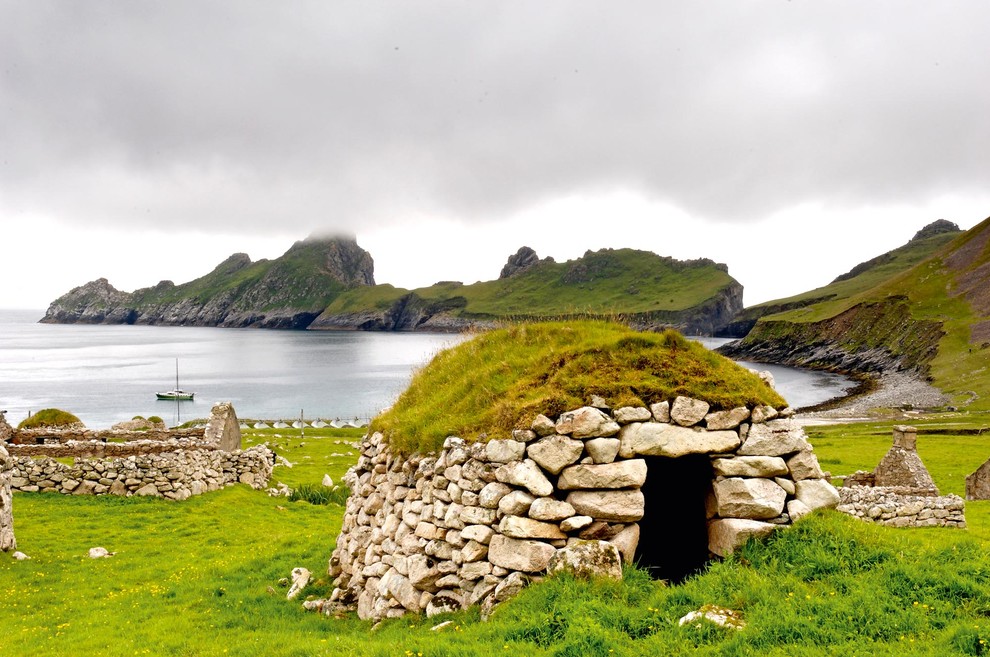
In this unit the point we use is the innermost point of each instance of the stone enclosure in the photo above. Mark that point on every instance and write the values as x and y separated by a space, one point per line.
900 492
667 486
174 466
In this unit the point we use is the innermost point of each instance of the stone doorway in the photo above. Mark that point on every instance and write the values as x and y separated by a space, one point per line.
673 541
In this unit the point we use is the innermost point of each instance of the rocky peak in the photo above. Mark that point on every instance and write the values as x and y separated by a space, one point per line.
523 259
342 258
936 228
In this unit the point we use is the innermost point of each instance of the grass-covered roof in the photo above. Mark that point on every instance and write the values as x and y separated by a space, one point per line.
501 380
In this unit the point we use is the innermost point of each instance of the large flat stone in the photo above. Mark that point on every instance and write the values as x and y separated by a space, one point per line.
527 556
554 453
774 438
586 422
525 474
817 493
755 499
620 474
658 439
727 535
519 527
749 466
609 505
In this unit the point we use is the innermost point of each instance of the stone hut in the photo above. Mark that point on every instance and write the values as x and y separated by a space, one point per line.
900 492
669 486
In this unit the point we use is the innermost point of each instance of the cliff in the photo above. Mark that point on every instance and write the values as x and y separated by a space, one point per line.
287 292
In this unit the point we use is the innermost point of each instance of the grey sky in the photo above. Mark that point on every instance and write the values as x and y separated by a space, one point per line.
284 118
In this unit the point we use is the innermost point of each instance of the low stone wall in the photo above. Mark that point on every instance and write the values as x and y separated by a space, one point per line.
100 449
440 532
173 475
7 541
886 506
49 436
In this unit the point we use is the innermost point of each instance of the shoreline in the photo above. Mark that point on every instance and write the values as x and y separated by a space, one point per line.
892 391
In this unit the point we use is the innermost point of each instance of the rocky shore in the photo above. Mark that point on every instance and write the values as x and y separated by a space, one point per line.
897 390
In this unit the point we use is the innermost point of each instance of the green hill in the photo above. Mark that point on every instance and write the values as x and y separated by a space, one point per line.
287 292
860 279
932 319
639 287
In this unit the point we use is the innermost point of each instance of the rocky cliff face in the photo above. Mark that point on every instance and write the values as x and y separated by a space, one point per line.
288 292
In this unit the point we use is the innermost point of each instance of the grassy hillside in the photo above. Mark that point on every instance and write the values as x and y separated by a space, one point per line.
840 294
933 317
502 379
606 282
201 578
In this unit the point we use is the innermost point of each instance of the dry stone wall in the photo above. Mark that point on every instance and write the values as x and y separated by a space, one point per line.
172 475
470 525
175 468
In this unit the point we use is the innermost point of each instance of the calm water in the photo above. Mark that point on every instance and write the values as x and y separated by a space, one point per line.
105 374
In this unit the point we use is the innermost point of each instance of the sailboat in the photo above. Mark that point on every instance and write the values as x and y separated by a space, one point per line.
176 393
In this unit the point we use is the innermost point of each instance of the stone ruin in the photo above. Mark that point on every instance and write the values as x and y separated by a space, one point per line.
978 483
668 487
900 492
7 540
175 467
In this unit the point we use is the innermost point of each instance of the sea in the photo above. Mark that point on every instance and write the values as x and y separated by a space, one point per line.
106 374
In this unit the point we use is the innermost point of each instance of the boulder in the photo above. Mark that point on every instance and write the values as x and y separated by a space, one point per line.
749 466
586 422
620 474
628 414
756 499
817 494
508 588
804 465
726 535
504 451
516 503
525 474
519 527
608 505
543 426
774 438
523 555
550 509
657 439
627 541
587 559
492 494
688 412
574 523
602 450
722 420
554 453
661 411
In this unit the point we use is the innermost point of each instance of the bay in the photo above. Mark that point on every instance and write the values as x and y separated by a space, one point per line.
106 374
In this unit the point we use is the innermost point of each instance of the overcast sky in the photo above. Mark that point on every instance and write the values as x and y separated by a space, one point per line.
142 141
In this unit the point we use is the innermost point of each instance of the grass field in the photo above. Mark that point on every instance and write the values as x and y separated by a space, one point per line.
201 577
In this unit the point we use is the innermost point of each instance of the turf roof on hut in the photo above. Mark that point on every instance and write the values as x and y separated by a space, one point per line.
501 380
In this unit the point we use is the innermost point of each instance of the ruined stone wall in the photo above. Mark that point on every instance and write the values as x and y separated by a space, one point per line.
440 532
100 449
54 437
173 475
7 541
886 506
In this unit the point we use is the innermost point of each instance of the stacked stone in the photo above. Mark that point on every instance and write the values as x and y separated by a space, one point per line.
100 449
173 475
7 541
886 506
436 533
48 436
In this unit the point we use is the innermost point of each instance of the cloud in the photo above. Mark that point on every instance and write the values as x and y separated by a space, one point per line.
348 115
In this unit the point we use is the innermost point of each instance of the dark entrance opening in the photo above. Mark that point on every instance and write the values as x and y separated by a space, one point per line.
673 534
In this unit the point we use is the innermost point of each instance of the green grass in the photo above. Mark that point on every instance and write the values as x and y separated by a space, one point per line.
193 578
49 417
501 380
606 282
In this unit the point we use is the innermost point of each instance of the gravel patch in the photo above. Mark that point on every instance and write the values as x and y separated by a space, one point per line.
893 390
